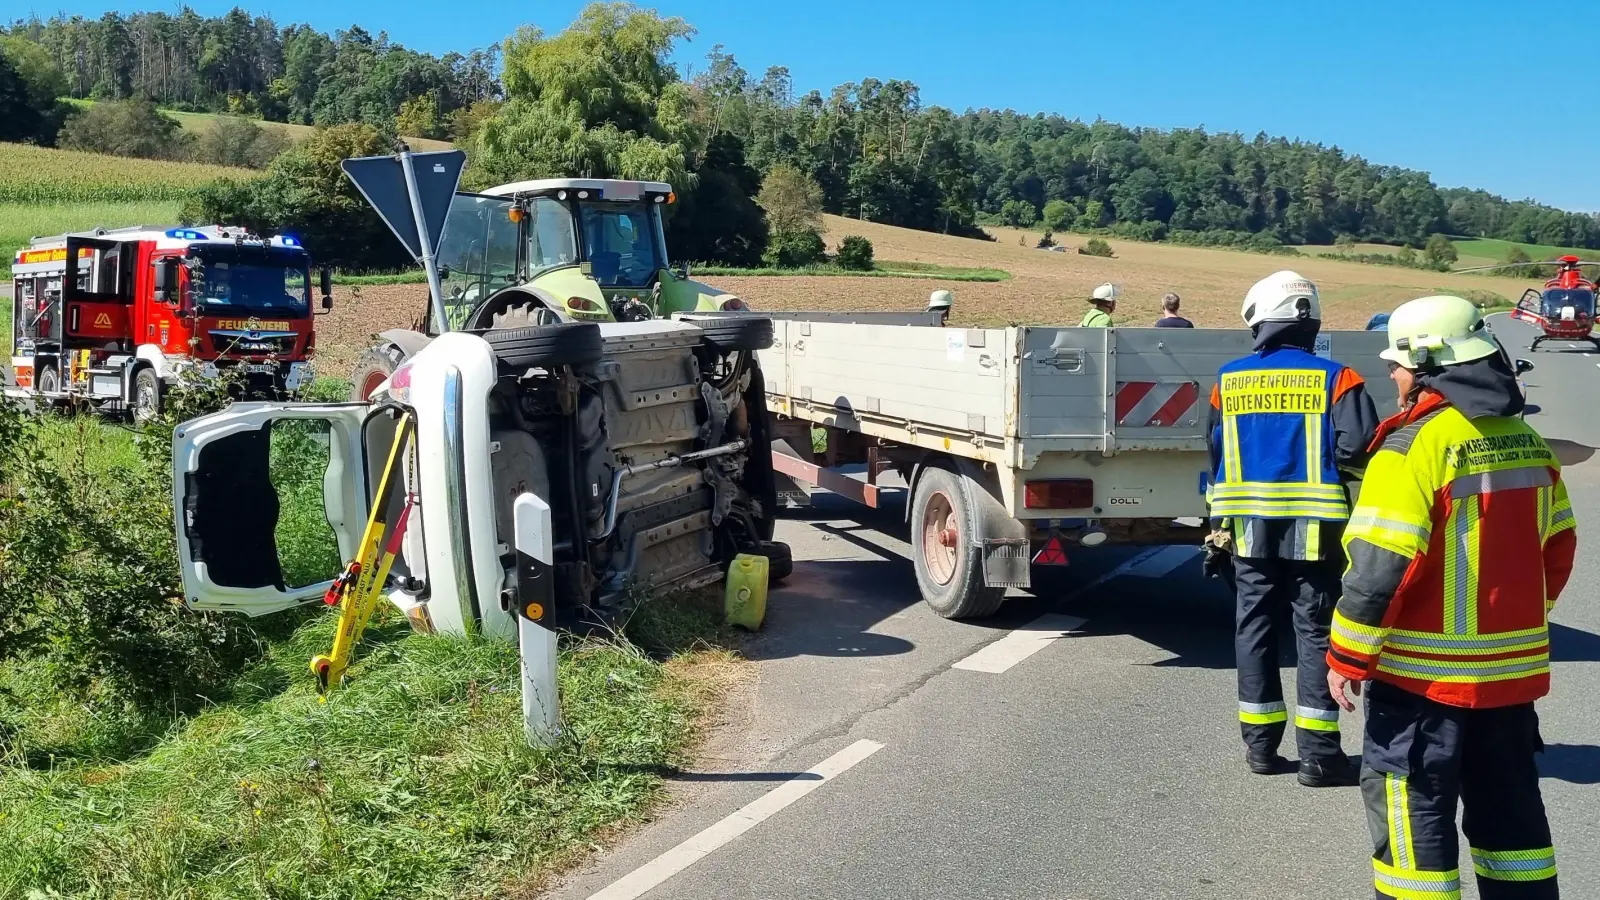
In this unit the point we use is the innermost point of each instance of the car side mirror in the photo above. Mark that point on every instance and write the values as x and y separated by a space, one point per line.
167 280
1524 366
326 278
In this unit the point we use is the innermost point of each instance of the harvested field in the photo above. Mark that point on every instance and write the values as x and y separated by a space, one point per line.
1045 288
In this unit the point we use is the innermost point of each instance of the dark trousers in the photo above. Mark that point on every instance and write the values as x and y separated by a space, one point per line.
1275 595
1420 758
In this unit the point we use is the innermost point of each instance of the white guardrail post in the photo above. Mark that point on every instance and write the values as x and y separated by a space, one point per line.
536 633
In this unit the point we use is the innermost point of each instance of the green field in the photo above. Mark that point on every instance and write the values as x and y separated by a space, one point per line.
199 123
880 269
21 221
1487 251
30 174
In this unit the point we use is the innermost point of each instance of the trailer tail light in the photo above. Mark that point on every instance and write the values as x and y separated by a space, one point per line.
1059 493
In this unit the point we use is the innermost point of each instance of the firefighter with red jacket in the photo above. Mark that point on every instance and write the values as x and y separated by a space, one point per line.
1460 543
1285 424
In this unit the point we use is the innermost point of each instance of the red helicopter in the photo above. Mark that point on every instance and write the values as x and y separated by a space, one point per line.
1565 309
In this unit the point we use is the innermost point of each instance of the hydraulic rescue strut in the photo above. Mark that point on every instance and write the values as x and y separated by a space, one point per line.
357 589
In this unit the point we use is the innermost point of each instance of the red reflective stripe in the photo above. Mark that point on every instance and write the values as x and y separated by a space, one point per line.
1129 395
1176 406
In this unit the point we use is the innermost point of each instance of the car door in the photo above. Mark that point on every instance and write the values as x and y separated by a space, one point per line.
271 500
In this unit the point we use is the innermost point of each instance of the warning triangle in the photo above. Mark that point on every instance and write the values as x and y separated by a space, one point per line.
1051 554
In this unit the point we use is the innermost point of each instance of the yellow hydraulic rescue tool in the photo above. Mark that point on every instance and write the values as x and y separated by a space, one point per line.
357 589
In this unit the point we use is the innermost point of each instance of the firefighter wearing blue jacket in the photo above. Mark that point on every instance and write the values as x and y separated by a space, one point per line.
1283 424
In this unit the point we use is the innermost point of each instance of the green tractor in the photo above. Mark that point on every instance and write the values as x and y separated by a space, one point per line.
552 250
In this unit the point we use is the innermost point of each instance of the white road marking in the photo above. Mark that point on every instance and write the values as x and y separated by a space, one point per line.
1020 644
650 875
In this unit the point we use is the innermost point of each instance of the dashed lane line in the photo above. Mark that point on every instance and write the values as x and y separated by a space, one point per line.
651 875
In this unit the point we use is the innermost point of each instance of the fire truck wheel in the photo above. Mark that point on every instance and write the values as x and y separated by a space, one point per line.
373 368
49 380
564 344
146 395
734 333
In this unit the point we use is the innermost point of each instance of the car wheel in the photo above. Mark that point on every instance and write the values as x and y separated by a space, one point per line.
146 395
564 344
734 333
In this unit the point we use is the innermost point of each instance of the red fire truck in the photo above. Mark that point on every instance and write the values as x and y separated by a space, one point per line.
111 318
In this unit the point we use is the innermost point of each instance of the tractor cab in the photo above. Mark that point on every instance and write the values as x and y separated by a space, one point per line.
564 249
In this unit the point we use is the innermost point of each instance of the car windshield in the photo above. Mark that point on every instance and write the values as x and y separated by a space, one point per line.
1557 299
620 243
229 286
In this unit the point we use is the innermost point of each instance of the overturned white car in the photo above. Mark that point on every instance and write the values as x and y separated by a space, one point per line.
649 441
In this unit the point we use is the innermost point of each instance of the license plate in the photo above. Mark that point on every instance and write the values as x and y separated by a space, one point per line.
261 369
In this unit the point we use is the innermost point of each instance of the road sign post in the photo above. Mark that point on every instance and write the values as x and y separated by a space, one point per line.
536 621
412 193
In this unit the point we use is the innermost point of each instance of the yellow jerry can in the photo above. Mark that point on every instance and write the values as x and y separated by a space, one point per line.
745 598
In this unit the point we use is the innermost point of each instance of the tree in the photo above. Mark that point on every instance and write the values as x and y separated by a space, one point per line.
855 254
1406 256
19 120
1046 241
792 200
1440 252
1094 216
1018 213
306 194
418 117
232 141
1058 215
719 221
126 128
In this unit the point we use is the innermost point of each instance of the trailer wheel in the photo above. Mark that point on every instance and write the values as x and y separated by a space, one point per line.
946 556
734 333
146 395
373 368
563 344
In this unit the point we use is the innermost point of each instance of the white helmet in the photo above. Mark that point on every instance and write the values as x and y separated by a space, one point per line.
1438 331
1281 297
1106 293
941 300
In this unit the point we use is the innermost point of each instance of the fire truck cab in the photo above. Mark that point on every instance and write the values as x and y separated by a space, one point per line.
110 318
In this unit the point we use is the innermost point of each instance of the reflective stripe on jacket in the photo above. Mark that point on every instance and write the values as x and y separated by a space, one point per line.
1460 543
1274 436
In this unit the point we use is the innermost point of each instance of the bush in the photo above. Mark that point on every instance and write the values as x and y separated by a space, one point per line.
1440 251
89 587
1046 241
126 128
795 249
1018 213
1097 247
1059 215
855 254
231 141
1140 231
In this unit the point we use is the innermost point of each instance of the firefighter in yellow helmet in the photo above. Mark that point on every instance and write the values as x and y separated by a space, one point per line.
1460 543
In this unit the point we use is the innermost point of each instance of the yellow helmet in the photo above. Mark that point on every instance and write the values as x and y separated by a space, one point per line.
1438 331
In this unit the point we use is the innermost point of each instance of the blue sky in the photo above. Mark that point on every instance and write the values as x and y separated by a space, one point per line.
1467 90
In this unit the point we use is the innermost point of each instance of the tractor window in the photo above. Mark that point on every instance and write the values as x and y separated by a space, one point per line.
551 240
620 244
477 253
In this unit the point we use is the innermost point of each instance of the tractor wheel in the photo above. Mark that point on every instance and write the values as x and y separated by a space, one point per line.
373 368
548 346
146 395
734 333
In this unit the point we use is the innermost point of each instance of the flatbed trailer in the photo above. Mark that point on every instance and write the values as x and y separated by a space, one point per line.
1011 440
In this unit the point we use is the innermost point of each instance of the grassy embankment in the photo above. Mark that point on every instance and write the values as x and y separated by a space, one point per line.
411 781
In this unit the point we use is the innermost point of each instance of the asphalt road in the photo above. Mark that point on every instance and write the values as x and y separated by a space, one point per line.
1106 764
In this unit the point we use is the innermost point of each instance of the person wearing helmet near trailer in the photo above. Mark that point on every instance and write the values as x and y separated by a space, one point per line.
1104 301
1459 544
1284 424
940 302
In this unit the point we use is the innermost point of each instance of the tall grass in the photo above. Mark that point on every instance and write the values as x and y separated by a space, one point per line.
30 174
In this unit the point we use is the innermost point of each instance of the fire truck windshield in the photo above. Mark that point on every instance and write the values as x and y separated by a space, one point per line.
223 286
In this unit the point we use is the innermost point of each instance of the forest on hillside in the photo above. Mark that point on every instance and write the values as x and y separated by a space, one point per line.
603 99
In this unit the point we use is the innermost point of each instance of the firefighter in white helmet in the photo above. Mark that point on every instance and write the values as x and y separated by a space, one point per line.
1104 301
1284 423
940 302
1459 545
